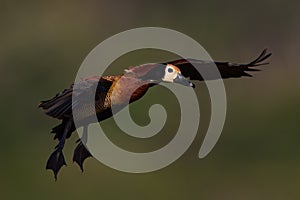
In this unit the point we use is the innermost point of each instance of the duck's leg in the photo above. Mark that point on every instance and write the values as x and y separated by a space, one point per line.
56 159
80 152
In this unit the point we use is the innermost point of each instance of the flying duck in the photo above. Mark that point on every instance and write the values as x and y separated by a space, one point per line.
128 87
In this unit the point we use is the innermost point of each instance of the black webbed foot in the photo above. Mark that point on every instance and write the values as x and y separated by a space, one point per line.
80 154
56 161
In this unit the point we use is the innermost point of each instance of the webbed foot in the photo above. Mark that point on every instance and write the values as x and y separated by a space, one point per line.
56 161
80 154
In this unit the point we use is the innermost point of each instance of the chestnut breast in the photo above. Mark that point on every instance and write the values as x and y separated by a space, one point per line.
127 89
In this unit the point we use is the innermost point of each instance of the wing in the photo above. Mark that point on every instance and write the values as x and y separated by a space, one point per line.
191 68
60 106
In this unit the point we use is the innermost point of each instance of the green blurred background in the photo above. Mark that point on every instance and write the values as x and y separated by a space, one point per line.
257 157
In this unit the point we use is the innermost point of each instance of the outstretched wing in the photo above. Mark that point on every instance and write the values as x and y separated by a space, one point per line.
191 68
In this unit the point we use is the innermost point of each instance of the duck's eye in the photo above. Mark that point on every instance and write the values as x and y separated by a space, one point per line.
170 70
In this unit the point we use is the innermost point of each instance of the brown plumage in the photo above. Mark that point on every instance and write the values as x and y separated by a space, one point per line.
120 89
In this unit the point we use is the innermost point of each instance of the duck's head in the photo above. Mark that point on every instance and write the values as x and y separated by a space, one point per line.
157 73
173 74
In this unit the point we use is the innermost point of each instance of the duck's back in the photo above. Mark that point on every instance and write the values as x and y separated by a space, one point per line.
108 90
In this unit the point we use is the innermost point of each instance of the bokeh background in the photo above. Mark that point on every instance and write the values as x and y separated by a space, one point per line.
43 43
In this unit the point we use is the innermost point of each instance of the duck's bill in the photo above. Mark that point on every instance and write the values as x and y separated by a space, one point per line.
183 81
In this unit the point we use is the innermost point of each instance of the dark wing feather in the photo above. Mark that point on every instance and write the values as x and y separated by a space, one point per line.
60 106
190 67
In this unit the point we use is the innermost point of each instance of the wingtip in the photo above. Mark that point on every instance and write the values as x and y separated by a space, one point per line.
258 61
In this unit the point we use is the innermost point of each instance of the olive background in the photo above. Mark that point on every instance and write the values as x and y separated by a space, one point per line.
43 43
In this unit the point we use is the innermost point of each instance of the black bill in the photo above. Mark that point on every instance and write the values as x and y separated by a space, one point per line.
183 81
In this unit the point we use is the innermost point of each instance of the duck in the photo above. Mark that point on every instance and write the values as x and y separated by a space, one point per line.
119 90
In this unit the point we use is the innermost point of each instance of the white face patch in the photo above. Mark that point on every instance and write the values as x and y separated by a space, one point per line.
170 73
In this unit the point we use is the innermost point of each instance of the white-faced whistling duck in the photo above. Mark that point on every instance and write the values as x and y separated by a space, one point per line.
145 76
